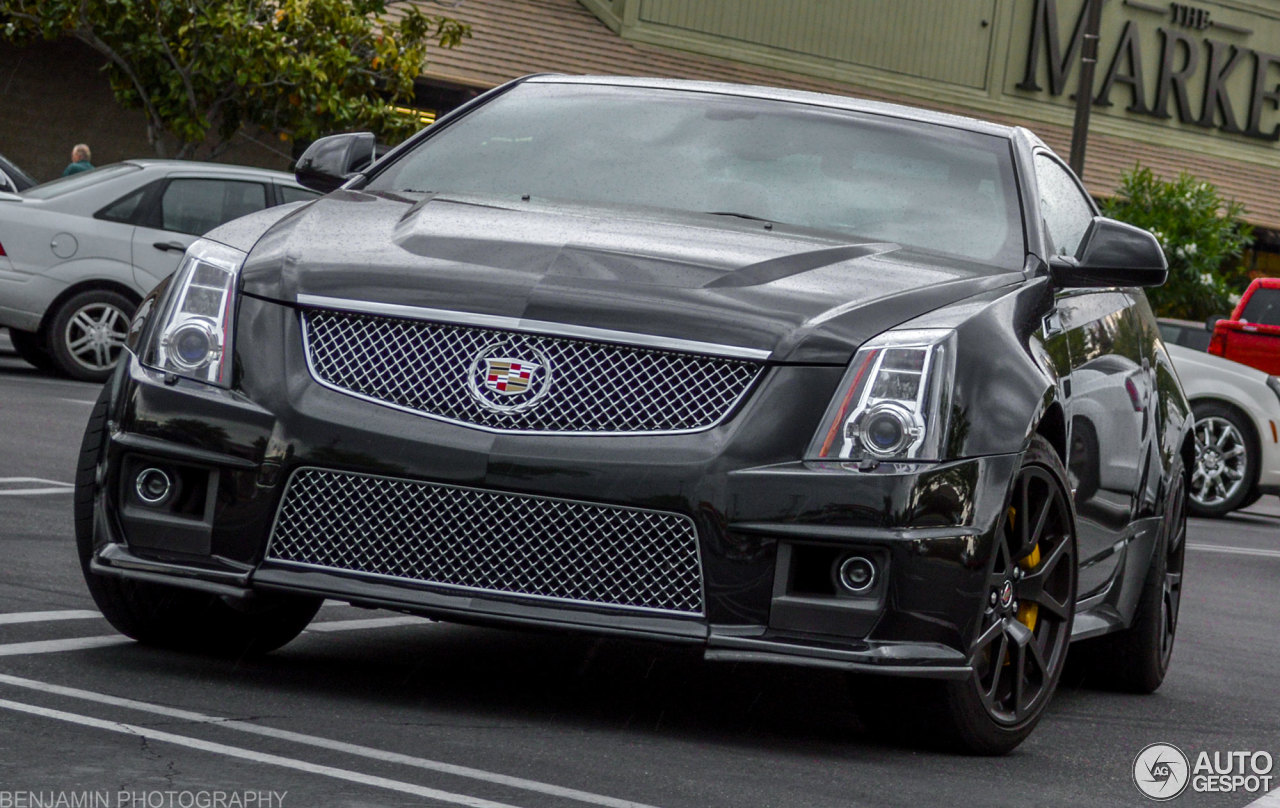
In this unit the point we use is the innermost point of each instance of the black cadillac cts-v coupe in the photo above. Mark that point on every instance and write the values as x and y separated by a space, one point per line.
796 378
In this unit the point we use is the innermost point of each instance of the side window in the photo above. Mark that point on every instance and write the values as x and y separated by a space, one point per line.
7 184
289 193
1066 210
1263 307
196 206
127 208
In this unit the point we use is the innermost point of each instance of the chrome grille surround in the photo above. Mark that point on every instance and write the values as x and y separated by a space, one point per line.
600 388
483 541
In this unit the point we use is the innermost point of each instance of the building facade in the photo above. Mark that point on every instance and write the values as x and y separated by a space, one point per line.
1178 86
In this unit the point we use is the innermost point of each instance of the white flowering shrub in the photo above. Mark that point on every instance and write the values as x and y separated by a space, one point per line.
1202 235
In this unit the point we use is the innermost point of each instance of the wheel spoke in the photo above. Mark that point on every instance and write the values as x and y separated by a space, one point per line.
83 320
1041 520
1024 517
1019 666
1020 634
1173 588
79 343
997 667
994 632
1037 656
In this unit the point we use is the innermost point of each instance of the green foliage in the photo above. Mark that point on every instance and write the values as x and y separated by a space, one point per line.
203 70
1201 233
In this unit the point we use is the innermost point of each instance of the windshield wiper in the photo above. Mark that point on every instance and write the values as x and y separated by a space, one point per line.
736 215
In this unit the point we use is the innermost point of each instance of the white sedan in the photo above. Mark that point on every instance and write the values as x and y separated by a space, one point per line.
78 254
1237 411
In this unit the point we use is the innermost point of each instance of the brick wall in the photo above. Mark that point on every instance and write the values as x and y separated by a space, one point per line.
53 96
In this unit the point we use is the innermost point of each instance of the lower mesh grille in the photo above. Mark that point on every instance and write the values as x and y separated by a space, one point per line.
489 541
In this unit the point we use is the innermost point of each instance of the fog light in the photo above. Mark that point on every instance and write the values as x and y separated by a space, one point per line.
856 574
153 486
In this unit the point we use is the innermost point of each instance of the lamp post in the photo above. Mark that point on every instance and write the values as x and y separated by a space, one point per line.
1084 92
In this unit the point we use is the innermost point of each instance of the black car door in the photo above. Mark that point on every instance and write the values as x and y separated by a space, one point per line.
1107 393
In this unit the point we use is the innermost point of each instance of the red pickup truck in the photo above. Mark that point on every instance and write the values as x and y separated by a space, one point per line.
1251 335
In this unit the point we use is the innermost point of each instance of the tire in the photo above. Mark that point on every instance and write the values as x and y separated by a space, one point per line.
87 333
1253 497
1020 648
1136 659
32 349
171 617
1226 470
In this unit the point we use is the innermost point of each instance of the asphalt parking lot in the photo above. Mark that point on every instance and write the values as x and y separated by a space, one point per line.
376 709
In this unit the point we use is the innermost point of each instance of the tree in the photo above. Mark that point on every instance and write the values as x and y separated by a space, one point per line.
1202 235
203 71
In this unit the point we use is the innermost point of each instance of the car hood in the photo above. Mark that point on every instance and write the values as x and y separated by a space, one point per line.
803 296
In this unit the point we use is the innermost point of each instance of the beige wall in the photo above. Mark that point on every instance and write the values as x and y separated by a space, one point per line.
976 54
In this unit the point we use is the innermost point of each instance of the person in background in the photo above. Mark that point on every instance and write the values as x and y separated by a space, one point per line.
79 160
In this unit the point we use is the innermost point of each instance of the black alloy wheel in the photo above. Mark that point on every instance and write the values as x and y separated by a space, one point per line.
1136 659
1021 647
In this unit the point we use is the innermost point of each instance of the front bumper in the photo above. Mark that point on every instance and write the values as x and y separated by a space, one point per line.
768 530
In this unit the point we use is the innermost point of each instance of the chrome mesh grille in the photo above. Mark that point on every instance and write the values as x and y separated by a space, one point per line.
489 541
580 385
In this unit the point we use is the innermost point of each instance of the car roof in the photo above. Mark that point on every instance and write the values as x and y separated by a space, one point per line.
797 96
209 168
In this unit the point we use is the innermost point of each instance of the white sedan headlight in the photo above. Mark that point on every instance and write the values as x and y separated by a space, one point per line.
193 338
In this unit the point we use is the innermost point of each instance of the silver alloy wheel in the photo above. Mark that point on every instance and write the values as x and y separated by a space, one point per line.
95 334
1221 461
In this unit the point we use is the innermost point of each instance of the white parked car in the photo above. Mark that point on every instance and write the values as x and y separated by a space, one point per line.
1237 411
78 254
12 178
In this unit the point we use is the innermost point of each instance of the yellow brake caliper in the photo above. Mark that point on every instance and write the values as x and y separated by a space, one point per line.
1027 612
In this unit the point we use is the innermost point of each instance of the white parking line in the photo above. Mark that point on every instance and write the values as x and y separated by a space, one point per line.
79 401
256 757
84 643
325 743
1268 800
33 485
1248 551
47 617
54 646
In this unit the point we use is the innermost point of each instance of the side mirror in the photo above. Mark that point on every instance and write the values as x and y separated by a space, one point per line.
331 161
1112 254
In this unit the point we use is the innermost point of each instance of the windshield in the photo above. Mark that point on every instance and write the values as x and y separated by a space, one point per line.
75 182
869 176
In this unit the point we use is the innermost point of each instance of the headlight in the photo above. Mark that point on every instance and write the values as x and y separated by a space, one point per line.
193 339
893 402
